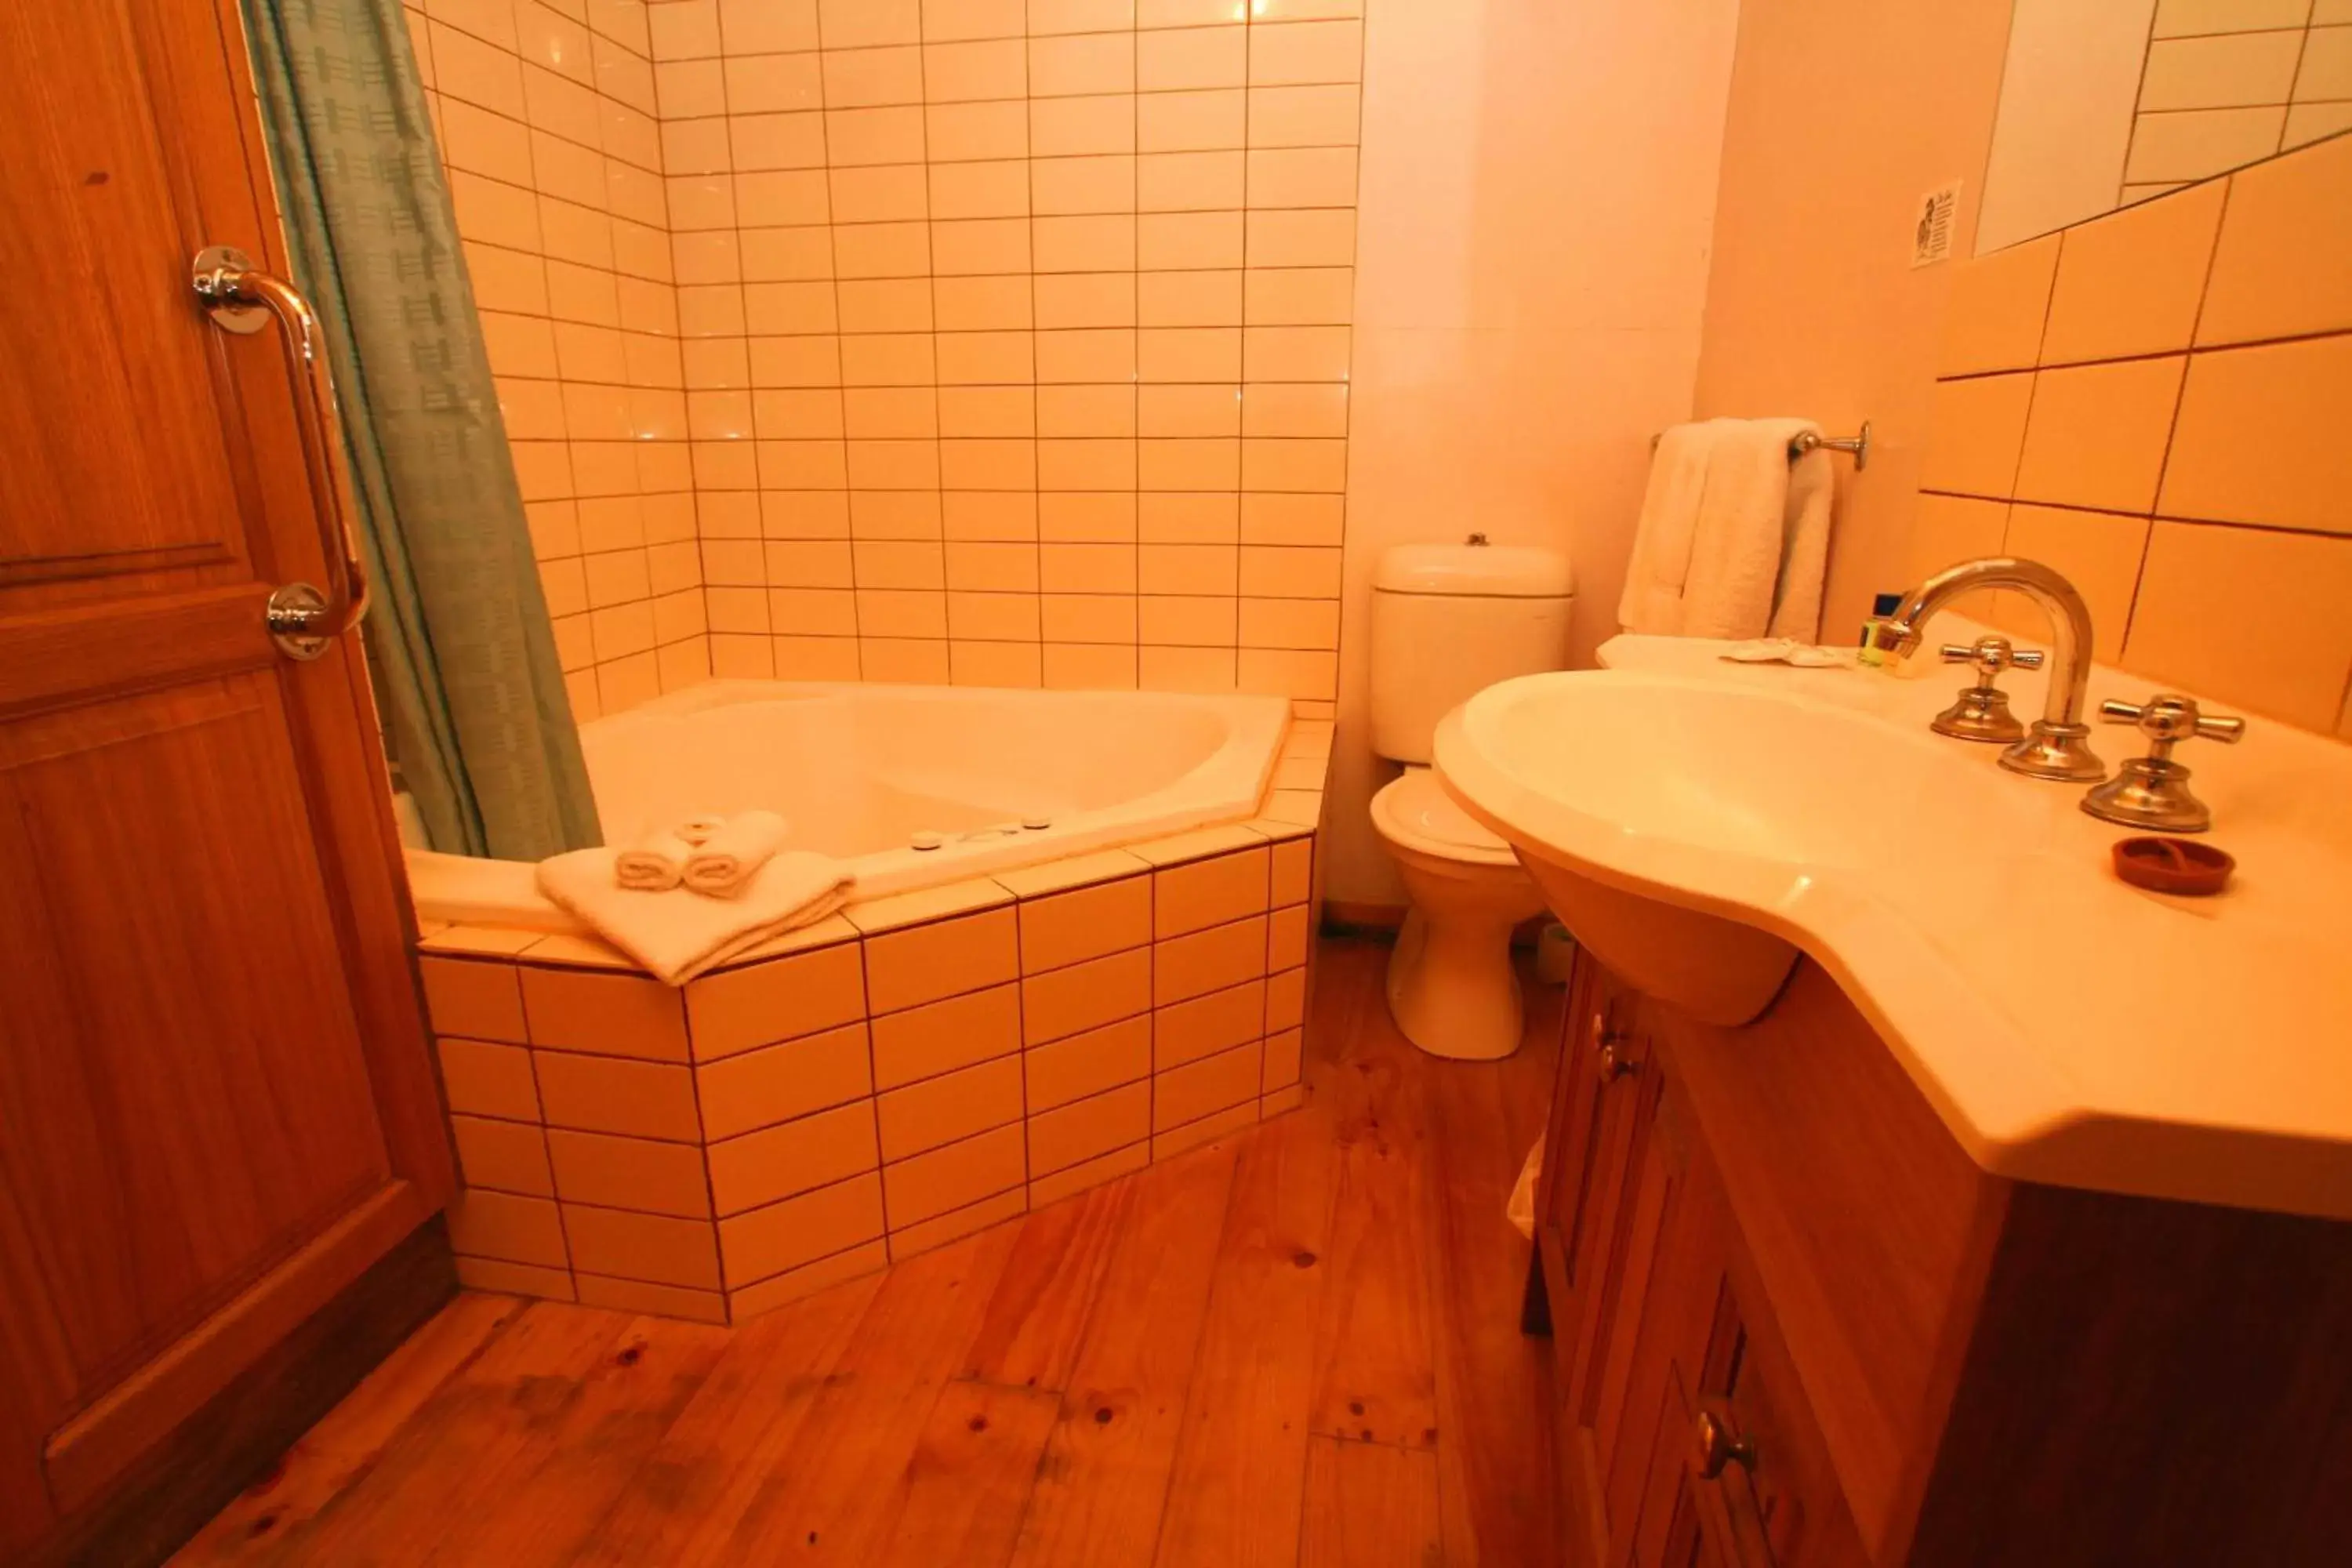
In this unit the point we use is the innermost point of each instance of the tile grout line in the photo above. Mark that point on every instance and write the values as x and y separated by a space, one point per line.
2172 426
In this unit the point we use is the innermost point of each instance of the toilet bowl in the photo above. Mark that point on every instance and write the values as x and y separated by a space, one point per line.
1451 986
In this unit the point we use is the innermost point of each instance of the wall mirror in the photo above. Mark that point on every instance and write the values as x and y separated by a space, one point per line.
2108 102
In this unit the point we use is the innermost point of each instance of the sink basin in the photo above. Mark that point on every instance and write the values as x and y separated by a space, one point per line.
1676 824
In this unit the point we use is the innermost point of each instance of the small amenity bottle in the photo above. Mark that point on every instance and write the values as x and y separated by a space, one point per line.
1881 607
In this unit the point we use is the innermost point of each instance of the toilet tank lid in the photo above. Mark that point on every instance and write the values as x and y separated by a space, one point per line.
1487 570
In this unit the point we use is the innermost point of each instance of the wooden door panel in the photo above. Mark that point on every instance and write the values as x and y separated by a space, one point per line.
1618 1109
1645 1294
217 1108
107 361
183 1095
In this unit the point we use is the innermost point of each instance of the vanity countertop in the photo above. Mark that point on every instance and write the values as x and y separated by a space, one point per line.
2073 1029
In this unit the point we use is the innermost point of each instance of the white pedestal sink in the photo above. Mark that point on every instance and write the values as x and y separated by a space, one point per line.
1697 821
1674 823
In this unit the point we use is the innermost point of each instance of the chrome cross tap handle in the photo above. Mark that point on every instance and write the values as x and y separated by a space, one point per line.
1982 712
2153 791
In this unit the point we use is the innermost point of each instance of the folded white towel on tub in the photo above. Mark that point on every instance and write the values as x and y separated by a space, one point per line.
680 934
722 864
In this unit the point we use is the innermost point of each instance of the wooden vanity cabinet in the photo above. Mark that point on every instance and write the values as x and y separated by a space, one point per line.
1795 1327
1639 1254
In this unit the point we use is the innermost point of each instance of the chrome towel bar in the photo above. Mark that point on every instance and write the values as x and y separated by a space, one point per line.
1799 445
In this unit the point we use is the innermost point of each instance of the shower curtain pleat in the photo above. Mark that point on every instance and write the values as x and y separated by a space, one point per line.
461 649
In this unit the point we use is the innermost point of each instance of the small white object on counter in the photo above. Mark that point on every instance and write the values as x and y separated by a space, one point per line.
1788 650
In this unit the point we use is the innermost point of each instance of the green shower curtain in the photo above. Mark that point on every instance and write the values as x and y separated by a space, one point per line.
458 638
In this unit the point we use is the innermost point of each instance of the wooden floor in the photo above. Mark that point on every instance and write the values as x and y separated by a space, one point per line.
1300 1345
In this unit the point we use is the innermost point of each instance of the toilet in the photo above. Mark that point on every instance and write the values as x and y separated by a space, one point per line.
1448 621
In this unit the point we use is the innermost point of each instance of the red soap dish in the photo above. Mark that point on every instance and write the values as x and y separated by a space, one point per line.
2173 866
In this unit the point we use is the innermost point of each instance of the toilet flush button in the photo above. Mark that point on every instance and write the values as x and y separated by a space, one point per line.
1035 824
927 840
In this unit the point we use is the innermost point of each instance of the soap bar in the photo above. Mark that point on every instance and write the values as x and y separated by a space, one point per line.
2173 866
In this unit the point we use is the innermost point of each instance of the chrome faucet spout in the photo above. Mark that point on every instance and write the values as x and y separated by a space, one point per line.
2057 746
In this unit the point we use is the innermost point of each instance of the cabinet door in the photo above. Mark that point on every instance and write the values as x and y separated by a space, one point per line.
1565 1186
1601 1064
1612 1247
1686 1531
1732 1457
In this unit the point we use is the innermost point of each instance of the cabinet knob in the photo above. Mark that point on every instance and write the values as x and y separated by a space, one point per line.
1613 1064
1719 1446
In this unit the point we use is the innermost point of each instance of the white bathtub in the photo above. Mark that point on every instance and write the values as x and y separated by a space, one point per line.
862 771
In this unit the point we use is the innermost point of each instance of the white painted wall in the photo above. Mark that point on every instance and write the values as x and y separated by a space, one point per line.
1537 196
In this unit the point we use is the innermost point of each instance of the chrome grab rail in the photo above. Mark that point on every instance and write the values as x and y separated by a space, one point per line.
242 298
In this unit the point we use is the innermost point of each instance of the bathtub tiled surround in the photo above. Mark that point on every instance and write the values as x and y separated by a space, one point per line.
2155 402
1016 337
546 117
912 1070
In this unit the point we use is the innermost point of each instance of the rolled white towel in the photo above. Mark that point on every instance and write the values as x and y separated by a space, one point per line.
721 865
655 864
699 829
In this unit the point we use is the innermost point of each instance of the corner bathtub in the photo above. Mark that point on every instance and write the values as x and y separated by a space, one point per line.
863 773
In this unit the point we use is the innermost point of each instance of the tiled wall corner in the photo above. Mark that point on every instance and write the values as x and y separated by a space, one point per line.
914 1069
1015 338
2153 402
548 131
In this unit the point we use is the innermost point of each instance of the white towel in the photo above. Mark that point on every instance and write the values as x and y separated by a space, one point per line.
722 864
655 863
1652 600
1733 538
680 934
1805 544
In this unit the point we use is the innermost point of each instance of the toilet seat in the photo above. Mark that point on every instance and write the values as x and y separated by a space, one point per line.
1414 811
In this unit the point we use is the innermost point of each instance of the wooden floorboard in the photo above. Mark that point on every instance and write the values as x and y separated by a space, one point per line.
1494 1469
1298 1345
334 1457
1102 1484
1375 1376
1369 1505
732 1436
1240 1476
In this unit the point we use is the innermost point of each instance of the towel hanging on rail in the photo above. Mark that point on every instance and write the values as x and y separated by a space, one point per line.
1733 540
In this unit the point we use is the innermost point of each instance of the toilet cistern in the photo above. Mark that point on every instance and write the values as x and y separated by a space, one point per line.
2058 744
